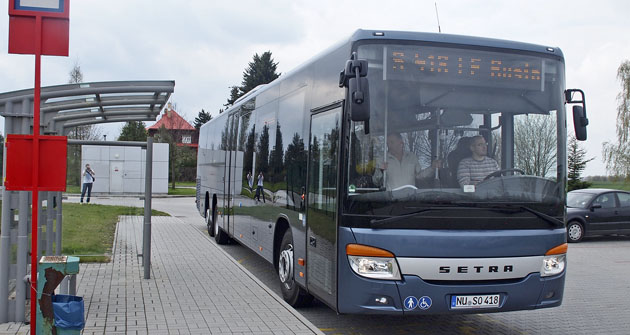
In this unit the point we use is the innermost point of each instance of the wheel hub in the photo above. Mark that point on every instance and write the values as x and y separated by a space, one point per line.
575 232
285 264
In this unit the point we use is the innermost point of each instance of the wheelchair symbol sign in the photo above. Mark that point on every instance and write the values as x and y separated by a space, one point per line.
425 303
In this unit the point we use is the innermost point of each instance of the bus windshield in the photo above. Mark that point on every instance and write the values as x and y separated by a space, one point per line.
454 127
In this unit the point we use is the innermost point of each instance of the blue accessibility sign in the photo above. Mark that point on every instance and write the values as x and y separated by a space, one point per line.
411 302
425 303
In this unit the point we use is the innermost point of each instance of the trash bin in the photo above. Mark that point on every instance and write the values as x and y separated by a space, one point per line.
69 312
61 312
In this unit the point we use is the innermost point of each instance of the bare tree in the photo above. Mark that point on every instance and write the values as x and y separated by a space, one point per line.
89 132
535 144
617 155
76 76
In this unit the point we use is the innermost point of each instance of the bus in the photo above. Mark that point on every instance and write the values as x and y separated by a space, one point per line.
297 171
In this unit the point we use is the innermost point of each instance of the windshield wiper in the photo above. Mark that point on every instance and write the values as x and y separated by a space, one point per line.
380 222
549 219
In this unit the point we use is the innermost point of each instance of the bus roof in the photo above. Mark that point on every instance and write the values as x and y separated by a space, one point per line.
453 39
375 35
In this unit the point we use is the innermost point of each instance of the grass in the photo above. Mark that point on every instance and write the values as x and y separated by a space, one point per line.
182 191
177 191
615 185
88 230
73 189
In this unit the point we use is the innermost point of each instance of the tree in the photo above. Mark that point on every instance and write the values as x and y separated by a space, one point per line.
276 157
262 70
87 133
617 155
76 76
235 93
262 152
576 164
164 136
535 144
202 118
133 131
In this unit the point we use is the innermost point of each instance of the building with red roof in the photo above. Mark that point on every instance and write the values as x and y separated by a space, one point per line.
182 131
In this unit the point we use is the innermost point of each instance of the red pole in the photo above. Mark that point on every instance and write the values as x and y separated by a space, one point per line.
36 109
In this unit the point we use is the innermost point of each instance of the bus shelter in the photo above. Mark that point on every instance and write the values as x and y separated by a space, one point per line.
62 109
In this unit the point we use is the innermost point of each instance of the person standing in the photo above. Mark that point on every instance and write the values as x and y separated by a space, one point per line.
259 188
88 181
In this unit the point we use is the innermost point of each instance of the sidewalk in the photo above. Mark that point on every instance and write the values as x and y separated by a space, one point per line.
195 288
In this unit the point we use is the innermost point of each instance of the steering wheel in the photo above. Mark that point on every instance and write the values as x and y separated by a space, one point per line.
413 187
500 172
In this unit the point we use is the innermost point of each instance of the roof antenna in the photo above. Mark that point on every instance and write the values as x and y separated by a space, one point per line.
438 17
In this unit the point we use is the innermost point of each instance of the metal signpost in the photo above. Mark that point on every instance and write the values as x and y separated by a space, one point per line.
38 27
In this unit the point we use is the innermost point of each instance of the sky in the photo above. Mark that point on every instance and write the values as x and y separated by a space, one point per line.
205 45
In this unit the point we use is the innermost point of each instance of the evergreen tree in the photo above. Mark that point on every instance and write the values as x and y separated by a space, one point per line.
262 154
276 159
576 165
133 131
202 118
235 93
248 160
262 70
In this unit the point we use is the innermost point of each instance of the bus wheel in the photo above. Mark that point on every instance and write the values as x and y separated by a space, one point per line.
220 236
292 293
575 231
210 222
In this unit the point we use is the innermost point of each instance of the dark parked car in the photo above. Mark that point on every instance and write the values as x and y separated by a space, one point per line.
596 211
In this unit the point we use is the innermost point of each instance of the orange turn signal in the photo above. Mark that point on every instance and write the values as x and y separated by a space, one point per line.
561 249
364 250
301 261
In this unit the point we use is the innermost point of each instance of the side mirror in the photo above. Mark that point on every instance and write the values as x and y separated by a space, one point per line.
579 122
579 113
595 207
358 92
353 76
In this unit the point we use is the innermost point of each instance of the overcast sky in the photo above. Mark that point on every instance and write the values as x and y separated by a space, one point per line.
205 45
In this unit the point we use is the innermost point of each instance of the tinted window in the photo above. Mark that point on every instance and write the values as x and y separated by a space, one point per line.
606 200
624 199
578 199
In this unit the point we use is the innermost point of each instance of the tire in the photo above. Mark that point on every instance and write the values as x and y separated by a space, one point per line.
210 220
292 293
575 231
220 236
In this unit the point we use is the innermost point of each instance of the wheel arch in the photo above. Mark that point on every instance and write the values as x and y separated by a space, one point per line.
579 219
282 225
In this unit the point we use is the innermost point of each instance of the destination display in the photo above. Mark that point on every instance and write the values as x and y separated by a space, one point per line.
464 67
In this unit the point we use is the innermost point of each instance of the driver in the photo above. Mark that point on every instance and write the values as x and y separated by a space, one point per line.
474 169
403 167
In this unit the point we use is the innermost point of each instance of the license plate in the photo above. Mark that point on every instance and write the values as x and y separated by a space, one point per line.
475 301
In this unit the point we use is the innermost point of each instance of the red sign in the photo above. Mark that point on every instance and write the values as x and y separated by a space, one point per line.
51 166
55 29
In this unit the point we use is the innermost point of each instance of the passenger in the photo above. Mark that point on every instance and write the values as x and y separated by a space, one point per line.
403 167
473 170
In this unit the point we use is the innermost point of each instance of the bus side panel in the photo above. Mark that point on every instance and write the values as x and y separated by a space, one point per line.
211 162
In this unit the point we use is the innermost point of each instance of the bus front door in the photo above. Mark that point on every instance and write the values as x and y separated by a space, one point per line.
321 216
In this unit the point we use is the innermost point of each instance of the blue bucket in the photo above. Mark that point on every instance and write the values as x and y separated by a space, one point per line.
69 311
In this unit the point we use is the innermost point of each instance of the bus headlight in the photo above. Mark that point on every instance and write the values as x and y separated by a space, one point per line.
372 262
555 261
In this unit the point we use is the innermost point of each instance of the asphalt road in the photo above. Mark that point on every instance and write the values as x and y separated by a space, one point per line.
596 292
